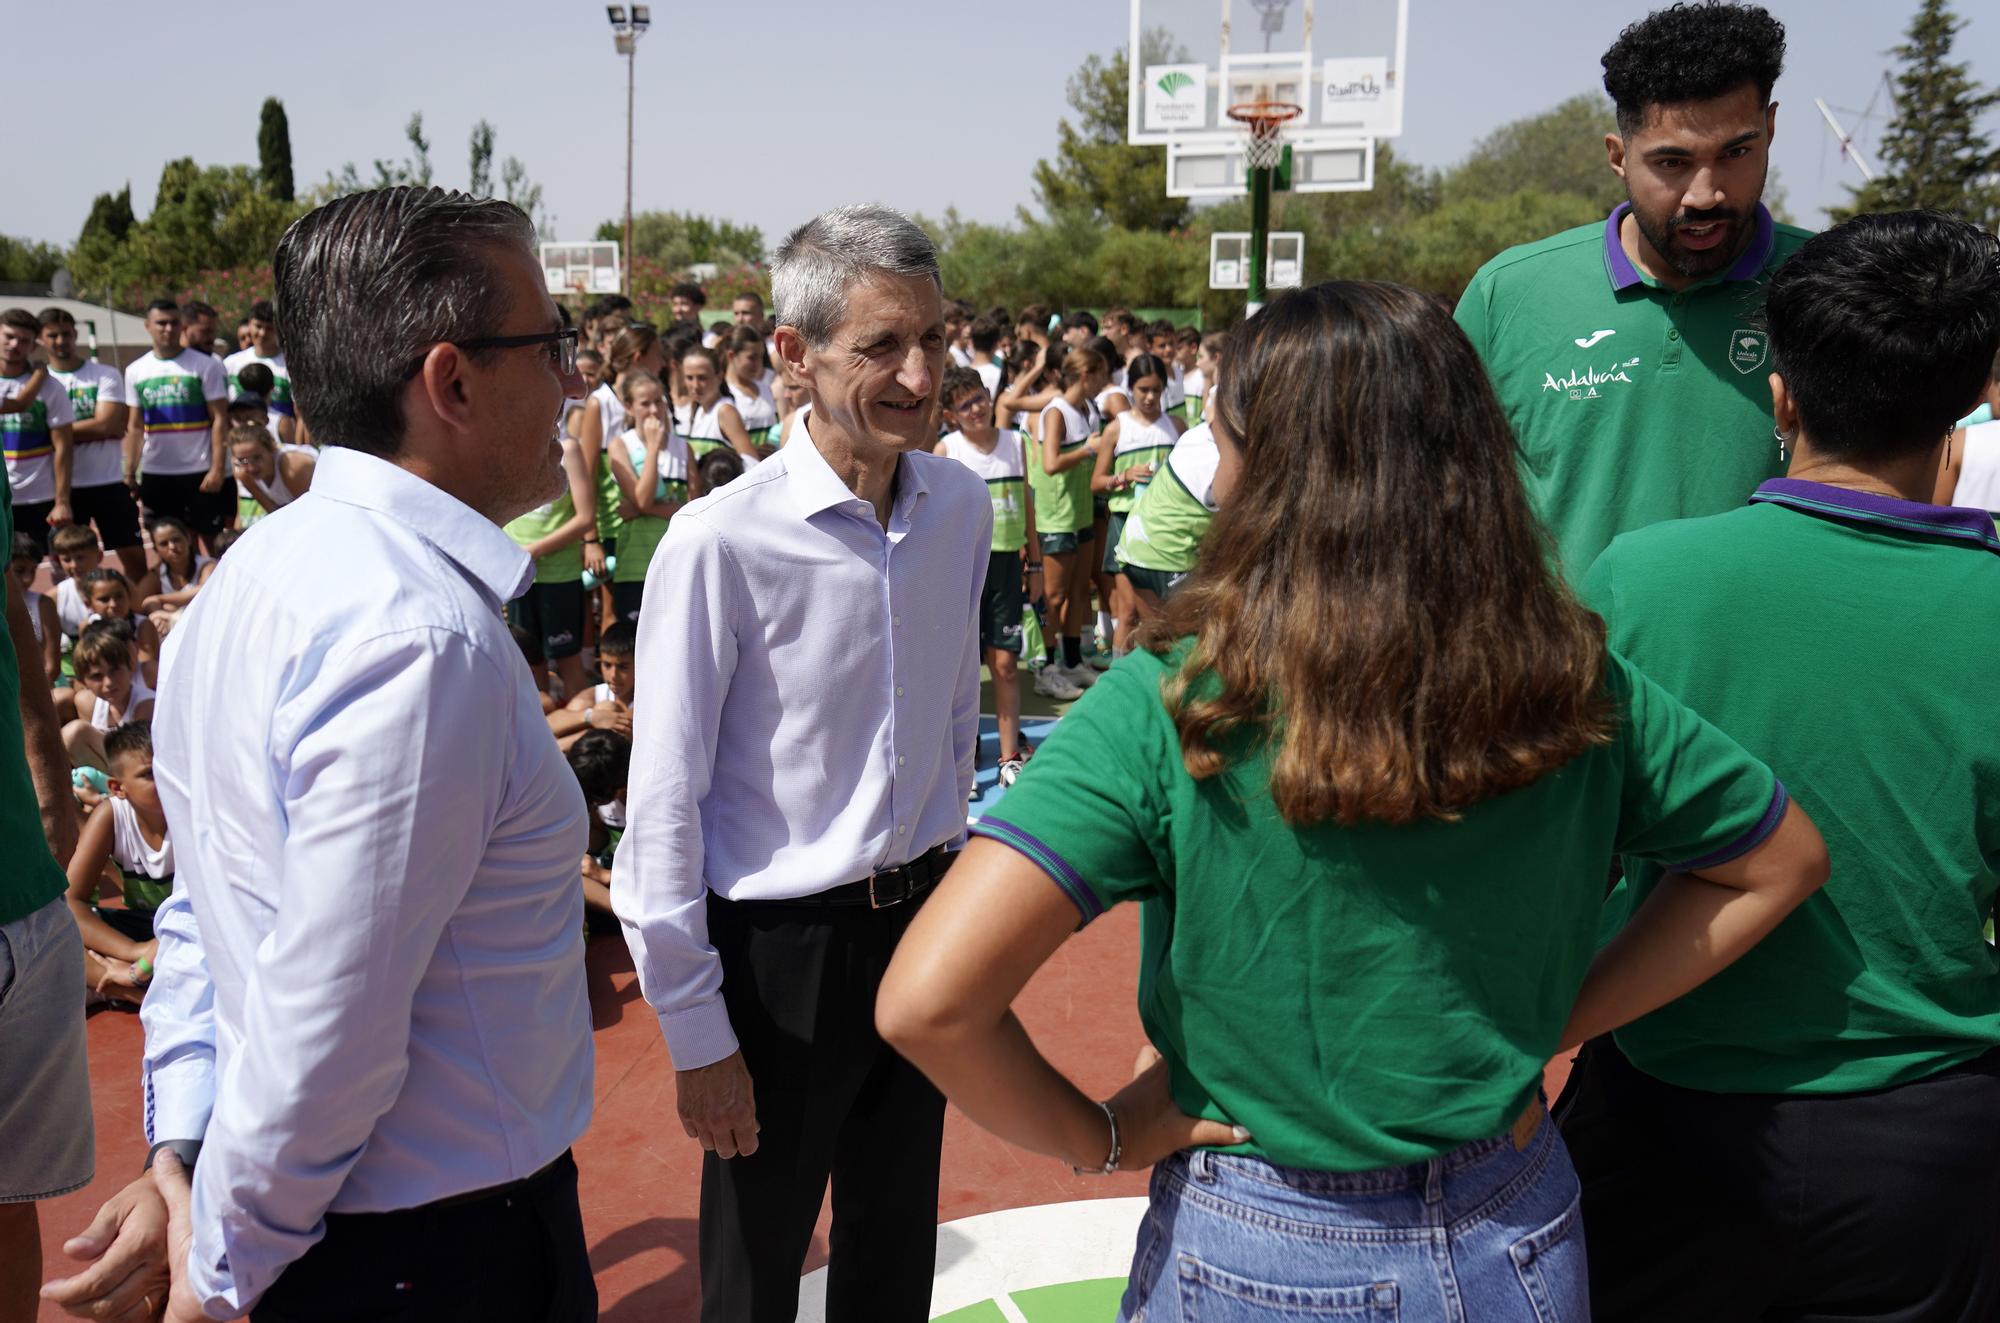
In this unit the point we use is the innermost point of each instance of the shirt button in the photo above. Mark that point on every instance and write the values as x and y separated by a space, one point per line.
896 621
1673 335
899 691
900 760
900 831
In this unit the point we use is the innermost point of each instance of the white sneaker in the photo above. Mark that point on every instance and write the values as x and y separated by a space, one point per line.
1054 682
1082 675
1010 771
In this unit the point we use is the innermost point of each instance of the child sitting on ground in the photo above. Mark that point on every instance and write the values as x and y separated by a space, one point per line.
608 705
41 611
602 760
167 589
109 596
110 692
77 552
129 829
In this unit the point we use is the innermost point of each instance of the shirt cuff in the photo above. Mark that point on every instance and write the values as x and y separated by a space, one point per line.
698 1035
179 1097
208 1273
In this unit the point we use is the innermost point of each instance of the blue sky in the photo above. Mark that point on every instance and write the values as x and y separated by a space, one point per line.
767 112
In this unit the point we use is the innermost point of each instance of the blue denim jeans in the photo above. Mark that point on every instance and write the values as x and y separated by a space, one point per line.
1484 1234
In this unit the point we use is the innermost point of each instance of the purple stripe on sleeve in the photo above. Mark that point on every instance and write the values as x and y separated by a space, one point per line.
1749 840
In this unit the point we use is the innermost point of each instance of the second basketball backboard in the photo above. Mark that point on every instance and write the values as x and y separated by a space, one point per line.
1341 61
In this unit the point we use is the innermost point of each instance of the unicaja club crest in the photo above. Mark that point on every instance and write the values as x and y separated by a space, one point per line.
1748 349
1171 84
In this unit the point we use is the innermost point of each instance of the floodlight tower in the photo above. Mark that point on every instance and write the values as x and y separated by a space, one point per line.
625 34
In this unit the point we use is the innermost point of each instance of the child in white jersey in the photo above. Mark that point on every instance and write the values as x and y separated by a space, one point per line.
749 379
129 829
607 705
168 588
999 457
655 478
1134 447
110 691
27 559
1970 474
602 761
109 596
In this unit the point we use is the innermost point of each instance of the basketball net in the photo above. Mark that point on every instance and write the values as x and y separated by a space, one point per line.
1264 123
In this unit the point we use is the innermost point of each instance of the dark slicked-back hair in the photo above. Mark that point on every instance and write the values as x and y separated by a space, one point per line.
368 283
1692 52
1884 329
134 738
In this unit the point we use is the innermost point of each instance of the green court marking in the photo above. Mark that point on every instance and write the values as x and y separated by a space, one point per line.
983 1312
1071 1302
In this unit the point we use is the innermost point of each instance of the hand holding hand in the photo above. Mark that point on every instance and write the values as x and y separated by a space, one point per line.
1152 1126
717 1106
125 1246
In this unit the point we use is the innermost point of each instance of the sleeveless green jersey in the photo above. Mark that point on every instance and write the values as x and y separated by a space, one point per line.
1165 528
1139 444
564 565
1062 500
1004 469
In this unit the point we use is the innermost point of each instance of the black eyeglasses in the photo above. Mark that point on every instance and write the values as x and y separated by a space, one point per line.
562 348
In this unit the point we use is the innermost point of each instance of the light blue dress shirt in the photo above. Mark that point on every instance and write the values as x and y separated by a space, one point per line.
384 1002
806 708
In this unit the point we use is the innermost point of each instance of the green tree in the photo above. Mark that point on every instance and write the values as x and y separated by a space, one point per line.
1561 150
480 172
1935 153
274 149
27 262
679 239
204 218
1095 170
412 169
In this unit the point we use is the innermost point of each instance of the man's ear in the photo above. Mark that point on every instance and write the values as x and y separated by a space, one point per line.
442 386
792 353
1614 153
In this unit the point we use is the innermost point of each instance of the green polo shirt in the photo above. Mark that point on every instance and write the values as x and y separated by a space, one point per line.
1361 997
1847 640
31 878
1632 402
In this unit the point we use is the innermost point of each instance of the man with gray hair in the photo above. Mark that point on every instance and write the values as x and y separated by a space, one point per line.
807 711
374 1047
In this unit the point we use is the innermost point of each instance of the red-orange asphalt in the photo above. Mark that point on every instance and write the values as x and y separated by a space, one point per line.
641 1175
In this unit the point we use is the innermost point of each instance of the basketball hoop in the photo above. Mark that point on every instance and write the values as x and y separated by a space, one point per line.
1265 122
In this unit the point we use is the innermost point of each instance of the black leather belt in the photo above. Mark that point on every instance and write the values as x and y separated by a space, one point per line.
891 886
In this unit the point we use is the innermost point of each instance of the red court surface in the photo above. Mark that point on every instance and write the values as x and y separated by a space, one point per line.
640 1174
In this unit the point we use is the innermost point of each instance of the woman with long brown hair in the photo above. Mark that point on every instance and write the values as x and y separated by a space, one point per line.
1367 774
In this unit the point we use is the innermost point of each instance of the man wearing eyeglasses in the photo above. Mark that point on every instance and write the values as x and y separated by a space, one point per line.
375 1052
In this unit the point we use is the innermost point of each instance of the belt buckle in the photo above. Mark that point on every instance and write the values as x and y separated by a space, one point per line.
888 896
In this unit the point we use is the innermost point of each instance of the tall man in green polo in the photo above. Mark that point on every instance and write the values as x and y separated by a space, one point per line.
1627 354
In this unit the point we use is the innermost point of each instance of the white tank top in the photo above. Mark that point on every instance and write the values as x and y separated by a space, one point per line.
128 844
697 423
71 613
1135 435
610 410
673 463
1005 460
1979 473
100 715
759 411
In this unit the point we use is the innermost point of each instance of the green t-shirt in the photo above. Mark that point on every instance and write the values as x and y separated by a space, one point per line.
1362 997
31 878
1632 403
564 564
1847 640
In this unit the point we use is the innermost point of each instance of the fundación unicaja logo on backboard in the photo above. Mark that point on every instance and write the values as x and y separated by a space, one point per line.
1176 97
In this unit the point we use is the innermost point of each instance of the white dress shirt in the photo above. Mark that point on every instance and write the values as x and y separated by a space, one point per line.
380 841
807 707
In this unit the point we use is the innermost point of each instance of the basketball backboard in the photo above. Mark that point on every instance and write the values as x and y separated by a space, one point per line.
581 268
1320 164
1341 60
1229 260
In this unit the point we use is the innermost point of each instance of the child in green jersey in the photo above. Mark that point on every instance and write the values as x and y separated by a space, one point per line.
1070 424
1134 446
999 457
655 479
554 534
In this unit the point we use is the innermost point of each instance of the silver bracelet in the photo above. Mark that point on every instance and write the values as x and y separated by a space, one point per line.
1117 1148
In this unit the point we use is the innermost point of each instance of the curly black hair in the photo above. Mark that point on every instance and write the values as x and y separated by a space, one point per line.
1692 52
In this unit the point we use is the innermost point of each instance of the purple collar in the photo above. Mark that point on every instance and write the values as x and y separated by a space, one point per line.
1972 527
1624 275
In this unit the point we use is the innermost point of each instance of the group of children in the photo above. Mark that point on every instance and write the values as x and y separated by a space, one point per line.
1087 434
